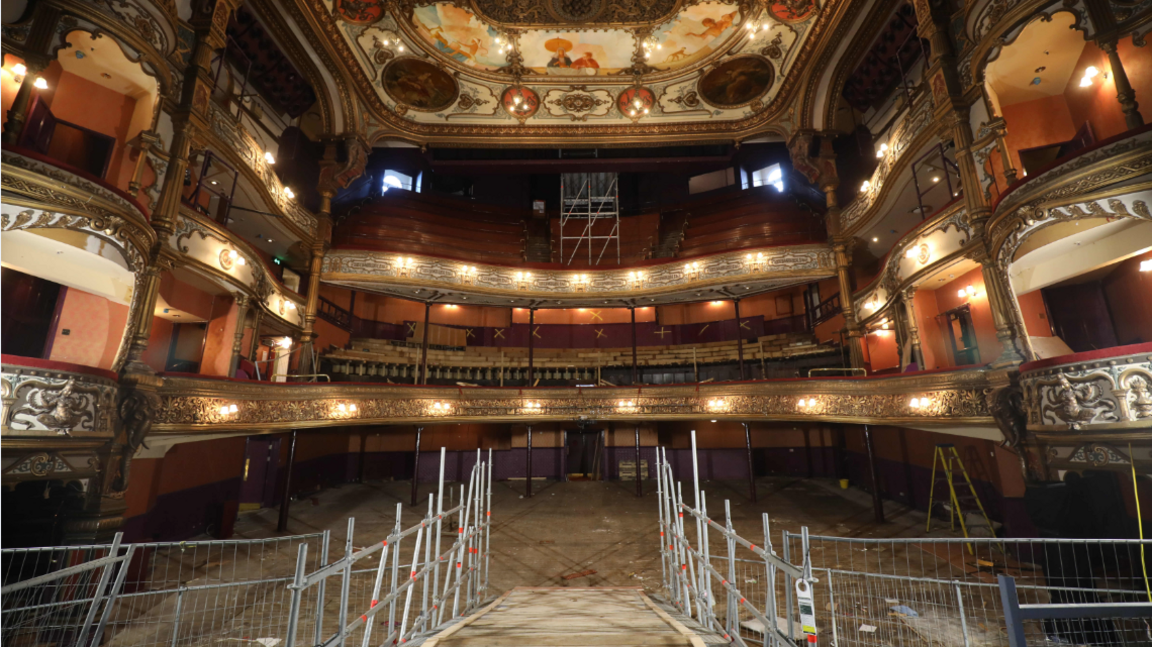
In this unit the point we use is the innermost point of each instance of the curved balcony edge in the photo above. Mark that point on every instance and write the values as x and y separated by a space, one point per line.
57 402
758 270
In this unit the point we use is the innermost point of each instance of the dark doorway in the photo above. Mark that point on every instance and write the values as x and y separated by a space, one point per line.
961 335
1080 316
74 145
261 464
29 312
186 349
584 454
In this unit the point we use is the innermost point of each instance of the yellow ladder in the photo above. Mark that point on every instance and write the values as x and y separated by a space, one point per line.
948 458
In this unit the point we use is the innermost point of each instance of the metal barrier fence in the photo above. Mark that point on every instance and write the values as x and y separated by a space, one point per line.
267 592
692 572
945 591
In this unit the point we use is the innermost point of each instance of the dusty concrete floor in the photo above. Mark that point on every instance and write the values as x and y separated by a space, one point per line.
568 528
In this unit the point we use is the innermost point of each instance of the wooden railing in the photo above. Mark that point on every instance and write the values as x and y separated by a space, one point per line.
827 309
334 314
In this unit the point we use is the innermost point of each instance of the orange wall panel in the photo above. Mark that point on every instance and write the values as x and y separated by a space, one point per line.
1095 104
95 326
947 299
1035 315
882 353
1129 295
1037 123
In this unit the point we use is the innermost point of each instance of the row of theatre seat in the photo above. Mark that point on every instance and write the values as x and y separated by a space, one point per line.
406 222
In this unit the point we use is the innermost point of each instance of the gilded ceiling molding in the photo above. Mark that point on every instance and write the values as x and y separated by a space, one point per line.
46 196
192 405
272 17
764 268
874 24
325 34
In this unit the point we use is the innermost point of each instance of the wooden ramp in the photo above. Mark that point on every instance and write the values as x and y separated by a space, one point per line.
568 617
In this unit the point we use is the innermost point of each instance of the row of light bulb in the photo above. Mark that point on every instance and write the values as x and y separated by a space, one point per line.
399 45
271 159
637 105
19 71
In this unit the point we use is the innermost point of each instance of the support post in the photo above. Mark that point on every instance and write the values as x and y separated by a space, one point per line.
255 345
416 465
739 339
634 375
238 336
531 345
877 504
1124 92
528 464
751 474
282 522
639 483
913 330
424 351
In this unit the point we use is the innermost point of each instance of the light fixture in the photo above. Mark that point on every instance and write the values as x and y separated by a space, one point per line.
915 403
717 303
40 83
935 179
290 305
864 187
268 157
966 292
1089 74
288 192
910 253
18 71
1146 266
284 342
883 149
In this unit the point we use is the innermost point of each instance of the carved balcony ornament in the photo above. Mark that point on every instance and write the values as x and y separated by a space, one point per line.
754 263
57 403
523 281
1105 394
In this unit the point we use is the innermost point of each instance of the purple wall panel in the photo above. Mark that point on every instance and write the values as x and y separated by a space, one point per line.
613 335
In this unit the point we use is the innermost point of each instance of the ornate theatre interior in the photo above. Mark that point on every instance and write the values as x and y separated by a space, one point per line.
869 268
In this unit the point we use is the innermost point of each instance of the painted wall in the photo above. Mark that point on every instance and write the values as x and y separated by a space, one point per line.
584 315
94 327
933 337
1037 123
1095 104
218 338
880 351
1129 295
764 304
8 85
1036 320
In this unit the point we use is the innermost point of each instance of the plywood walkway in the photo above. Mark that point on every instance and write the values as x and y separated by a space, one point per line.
568 617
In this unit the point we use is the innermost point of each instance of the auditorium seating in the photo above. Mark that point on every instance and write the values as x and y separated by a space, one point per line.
406 222
756 217
376 359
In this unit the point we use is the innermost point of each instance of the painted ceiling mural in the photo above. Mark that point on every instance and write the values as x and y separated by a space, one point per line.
557 68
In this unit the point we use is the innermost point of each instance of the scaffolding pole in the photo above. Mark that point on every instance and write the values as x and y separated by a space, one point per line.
588 198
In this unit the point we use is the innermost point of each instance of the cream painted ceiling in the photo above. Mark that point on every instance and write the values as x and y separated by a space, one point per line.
1044 50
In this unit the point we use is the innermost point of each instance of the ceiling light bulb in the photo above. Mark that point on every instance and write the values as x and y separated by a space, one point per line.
401 48
812 402
971 291
41 84
960 293
233 409
342 407
19 69
636 103
268 158
224 410
802 403
645 111
352 408
288 192
875 239
632 113
935 179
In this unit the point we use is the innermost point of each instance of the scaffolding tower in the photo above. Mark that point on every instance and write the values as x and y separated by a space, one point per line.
585 200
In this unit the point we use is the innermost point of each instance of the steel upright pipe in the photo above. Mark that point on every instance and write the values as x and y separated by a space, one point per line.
639 483
439 529
423 379
877 504
751 473
634 375
488 522
416 465
282 522
347 581
528 465
531 346
739 339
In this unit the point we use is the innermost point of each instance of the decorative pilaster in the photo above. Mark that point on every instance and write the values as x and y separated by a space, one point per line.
1002 302
912 330
241 300
1124 92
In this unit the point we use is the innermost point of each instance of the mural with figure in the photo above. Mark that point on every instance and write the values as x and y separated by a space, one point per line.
695 33
584 53
461 36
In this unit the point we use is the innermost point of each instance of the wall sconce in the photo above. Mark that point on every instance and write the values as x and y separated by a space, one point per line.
581 283
1146 266
755 262
531 408
229 409
636 279
807 405
968 292
883 149
717 404
919 403
18 72
522 280
692 269
864 187
284 342
468 274
40 84
268 157
626 405
230 257
441 408
346 408
289 305
1090 74
403 266
288 192
884 323
921 252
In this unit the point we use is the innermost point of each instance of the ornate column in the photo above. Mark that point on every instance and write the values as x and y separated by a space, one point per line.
344 161
35 61
910 327
1010 330
238 336
1124 92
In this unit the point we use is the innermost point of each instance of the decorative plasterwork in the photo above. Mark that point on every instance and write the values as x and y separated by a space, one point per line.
239 145
228 260
953 398
369 48
1101 395
46 196
906 138
758 269
936 243
1105 182
48 403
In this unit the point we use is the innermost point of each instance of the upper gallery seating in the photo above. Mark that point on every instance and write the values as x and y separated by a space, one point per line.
414 223
758 217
